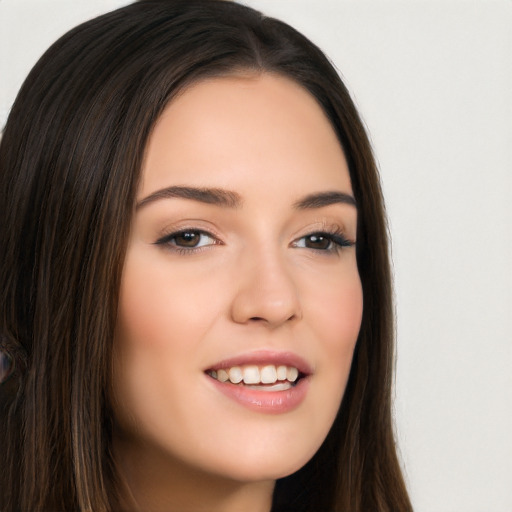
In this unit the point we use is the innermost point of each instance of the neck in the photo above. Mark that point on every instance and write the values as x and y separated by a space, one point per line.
153 482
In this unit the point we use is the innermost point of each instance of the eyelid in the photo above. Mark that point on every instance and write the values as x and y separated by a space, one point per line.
334 233
331 232
323 225
189 224
165 239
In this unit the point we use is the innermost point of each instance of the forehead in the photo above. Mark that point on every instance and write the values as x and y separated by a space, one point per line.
232 130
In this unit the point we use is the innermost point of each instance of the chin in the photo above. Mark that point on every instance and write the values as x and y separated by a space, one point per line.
256 462
262 470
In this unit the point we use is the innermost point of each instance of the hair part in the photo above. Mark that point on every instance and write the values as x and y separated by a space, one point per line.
70 160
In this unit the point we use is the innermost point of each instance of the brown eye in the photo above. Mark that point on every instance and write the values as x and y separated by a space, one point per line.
317 242
187 239
323 241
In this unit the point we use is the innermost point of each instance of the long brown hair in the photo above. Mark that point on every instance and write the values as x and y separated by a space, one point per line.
70 159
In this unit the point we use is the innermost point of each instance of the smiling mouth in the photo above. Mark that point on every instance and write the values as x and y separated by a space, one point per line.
267 377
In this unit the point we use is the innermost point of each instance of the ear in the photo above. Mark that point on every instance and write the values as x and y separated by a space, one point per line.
12 357
6 366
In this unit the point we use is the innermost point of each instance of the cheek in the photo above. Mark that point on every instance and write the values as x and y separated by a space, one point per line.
343 315
336 312
333 312
157 336
158 309
336 306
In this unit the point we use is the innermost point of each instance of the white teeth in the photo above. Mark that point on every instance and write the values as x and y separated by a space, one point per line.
253 376
292 374
222 375
235 375
281 372
268 374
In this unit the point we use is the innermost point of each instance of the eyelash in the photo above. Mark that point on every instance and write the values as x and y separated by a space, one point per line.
167 241
335 238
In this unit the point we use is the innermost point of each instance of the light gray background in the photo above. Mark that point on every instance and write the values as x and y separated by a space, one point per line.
433 81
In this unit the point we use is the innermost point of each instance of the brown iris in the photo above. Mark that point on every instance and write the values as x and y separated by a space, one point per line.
318 242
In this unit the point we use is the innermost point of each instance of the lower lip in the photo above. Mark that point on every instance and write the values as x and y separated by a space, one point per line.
270 402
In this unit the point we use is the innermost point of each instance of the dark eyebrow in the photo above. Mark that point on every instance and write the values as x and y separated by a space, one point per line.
321 199
214 196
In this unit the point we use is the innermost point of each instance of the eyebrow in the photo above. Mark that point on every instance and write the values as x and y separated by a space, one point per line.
230 199
216 196
319 200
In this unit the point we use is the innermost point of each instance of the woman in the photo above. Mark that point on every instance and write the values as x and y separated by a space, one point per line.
196 292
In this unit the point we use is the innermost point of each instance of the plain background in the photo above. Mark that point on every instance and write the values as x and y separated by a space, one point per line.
433 81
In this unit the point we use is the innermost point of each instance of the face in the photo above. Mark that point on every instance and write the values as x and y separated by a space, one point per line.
241 264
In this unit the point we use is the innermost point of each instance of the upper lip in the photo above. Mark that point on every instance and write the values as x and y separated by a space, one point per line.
264 357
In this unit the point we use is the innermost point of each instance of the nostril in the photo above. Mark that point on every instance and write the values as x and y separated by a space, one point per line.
273 320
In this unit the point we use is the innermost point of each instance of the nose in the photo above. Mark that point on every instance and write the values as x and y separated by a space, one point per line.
266 292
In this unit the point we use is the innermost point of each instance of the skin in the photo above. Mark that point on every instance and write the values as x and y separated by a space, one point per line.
254 283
